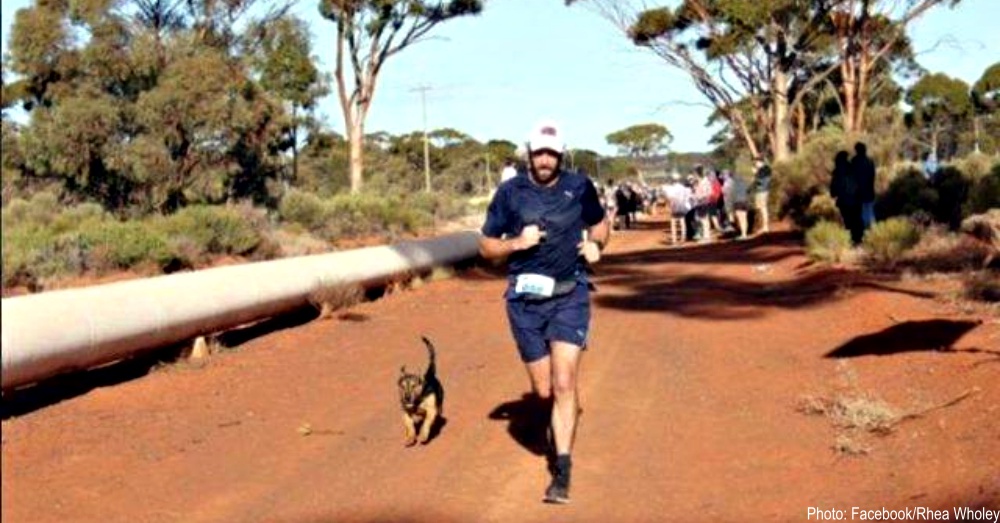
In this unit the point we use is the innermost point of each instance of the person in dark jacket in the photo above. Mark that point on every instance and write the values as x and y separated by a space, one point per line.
864 173
845 190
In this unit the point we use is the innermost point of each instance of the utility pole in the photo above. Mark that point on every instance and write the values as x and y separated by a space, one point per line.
427 148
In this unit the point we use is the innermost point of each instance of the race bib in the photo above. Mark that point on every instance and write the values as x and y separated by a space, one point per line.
535 284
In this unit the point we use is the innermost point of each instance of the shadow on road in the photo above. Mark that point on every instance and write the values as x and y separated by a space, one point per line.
527 422
652 285
911 336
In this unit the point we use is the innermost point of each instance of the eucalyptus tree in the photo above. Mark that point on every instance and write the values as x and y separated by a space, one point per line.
641 141
941 106
986 101
740 54
369 32
284 66
770 55
144 103
867 34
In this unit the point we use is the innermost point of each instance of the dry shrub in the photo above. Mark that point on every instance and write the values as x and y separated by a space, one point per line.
941 251
822 208
828 242
886 241
329 297
983 286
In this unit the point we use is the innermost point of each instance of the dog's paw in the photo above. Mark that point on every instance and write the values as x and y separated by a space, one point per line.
409 442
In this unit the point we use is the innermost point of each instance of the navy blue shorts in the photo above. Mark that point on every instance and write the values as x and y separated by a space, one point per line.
562 318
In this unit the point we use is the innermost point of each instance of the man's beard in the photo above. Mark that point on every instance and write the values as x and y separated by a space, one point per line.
547 178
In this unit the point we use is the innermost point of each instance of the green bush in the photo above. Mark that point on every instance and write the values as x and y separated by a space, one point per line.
41 242
953 191
886 241
215 229
111 245
908 193
29 253
984 193
822 208
828 242
367 214
40 210
303 208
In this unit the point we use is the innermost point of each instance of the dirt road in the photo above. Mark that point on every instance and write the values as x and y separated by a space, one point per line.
708 395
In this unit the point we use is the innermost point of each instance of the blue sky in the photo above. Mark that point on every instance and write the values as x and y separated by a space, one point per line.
495 75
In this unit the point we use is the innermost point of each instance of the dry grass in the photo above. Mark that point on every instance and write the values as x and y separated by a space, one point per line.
864 413
857 416
941 251
441 273
329 297
982 286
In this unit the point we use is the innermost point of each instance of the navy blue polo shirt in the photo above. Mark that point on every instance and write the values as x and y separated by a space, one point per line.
563 211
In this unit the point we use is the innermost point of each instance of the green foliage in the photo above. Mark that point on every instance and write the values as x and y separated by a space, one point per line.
937 98
986 90
822 208
908 193
804 176
886 241
985 193
110 245
641 140
229 229
953 190
828 241
43 240
303 208
367 214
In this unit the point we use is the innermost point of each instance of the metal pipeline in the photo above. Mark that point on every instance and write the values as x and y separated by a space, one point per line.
50 333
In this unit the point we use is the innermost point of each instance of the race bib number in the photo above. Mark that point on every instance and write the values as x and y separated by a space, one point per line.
535 284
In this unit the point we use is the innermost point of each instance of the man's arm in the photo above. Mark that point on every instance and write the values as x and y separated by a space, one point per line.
600 233
500 248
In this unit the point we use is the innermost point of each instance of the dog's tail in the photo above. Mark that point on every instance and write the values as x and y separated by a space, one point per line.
430 351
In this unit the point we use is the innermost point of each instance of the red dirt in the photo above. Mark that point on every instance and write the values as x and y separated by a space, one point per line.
701 360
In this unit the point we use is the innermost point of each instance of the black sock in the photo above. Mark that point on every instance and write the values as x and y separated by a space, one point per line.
564 462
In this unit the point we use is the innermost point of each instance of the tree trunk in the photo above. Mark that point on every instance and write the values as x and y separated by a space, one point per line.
782 121
356 139
850 95
744 131
800 133
934 140
975 133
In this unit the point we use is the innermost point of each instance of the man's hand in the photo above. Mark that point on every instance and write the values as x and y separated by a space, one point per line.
530 236
590 251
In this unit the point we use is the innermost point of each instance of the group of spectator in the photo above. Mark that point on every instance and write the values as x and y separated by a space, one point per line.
714 203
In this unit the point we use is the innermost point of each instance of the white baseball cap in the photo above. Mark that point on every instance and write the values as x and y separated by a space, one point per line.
546 135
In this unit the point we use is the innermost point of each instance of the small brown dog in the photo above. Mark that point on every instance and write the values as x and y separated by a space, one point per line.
421 398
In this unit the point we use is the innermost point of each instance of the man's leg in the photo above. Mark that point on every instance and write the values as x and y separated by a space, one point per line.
765 219
741 220
565 412
565 370
539 407
540 374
